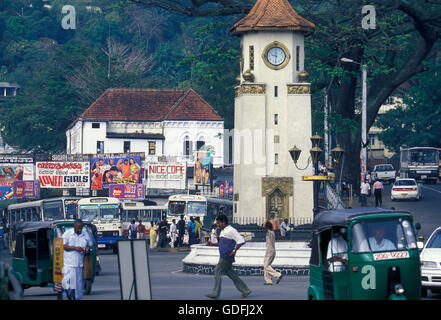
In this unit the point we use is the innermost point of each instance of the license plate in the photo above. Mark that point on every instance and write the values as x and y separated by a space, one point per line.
404 194
101 246
423 177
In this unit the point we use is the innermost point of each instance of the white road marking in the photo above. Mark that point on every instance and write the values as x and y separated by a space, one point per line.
430 189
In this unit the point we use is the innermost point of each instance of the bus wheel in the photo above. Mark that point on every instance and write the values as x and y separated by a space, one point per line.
87 287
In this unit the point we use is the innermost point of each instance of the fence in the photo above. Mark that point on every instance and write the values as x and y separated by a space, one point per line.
296 221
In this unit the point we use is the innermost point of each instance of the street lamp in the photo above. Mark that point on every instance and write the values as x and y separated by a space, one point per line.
363 114
315 156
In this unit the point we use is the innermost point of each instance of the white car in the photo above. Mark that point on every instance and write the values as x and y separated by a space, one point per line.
430 258
405 188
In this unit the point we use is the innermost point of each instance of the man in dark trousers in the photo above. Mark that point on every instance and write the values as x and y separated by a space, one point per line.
229 242
181 231
163 228
378 191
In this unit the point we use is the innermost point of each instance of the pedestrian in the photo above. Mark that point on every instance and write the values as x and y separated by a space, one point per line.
270 254
369 181
191 231
378 191
163 229
229 242
173 234
152 234
76 243
197 230
133 230
284 229
141 230
364 191
181 231
213 236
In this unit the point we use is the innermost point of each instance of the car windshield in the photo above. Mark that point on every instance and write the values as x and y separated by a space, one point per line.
385 235
176 208
384 168
435 240
196 207
88 212
109 211
423 156
405 183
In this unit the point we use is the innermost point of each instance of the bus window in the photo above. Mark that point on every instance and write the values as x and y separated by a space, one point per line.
22 215
12 216
196 207
157 215
213 210
28 212
176 208
145 215
53 211
35 214
132 214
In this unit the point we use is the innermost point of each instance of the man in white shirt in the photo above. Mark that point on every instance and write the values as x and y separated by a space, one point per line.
284 229
378 243
364 191
76 243
337 254
173 233
229 242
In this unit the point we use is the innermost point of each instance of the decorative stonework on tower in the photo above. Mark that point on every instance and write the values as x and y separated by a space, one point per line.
272 113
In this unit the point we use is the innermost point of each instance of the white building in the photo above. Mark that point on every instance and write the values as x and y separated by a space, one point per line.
158 122
272 114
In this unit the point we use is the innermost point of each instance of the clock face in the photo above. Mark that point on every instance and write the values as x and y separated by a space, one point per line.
276 56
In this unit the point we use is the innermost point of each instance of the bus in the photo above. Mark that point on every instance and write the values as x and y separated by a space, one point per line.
63 208
439 167
105 214
198 206
138 210
420 163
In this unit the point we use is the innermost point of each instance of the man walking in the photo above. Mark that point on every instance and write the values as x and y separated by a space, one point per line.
229 242
364 191
191 231
378 191
76 243
270 254
141 230
163 228
181 231
133 230
173 234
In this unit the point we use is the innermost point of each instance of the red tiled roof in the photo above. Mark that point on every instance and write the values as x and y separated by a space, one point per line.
150 105
272 15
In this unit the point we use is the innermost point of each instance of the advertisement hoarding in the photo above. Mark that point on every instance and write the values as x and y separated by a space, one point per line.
202 169
166 175
14 168
27 189
53 174
127 191
107 169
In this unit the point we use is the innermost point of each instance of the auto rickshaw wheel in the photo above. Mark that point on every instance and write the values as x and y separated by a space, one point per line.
424 292
87 287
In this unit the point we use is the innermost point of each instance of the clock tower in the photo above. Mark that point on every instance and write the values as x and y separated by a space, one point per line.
272 114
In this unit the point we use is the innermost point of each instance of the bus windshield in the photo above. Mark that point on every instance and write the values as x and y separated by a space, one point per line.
53 210
176 208
88 212
385 235
423 156
196 207
109 211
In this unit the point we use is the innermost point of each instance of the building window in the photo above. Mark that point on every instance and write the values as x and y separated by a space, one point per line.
276 119
99 147
275 91
95 125
230 149
298 58
126 146
251 57
187 146
371 139
152 148
199 144
276 158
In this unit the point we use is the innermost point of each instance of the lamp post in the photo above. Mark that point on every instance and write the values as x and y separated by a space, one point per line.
337 154
315 156
363 114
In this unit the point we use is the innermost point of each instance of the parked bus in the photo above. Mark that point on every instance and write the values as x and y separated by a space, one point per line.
63 208
105 214
138 210
198 206
420 163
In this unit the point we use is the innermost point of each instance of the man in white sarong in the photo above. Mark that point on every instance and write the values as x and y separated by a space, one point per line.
76 242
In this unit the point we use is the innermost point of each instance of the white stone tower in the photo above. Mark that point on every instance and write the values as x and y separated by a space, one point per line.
272 114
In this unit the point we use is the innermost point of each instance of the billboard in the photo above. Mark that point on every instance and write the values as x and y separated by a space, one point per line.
127 191
202 169
225 188
53 174
166 175
110 169
26 189
14 168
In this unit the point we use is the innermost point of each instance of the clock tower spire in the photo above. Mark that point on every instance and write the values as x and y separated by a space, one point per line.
272 114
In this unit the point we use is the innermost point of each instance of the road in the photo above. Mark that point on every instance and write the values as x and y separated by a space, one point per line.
170 283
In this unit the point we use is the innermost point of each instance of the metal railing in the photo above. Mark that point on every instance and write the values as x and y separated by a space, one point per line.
295 221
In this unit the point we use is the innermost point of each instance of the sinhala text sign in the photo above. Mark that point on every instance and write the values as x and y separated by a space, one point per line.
52 174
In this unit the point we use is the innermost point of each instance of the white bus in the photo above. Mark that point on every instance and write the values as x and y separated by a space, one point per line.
198 206
105 214
63 208
137 210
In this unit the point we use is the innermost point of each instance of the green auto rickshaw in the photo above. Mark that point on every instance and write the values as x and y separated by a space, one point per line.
34 248
364 254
